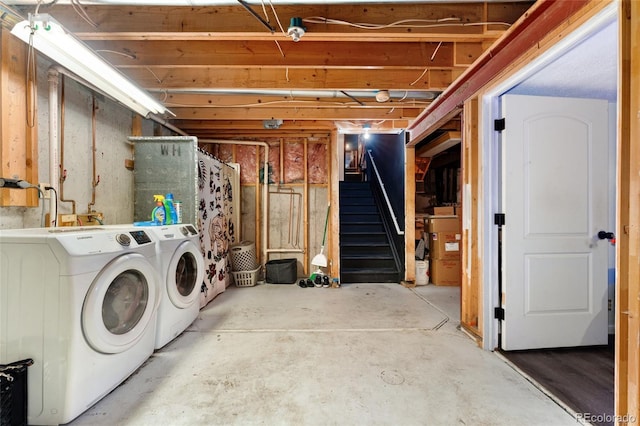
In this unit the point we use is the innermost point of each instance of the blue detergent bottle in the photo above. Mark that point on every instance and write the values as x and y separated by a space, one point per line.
159 215
170 209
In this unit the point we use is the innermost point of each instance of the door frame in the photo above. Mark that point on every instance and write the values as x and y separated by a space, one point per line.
490 141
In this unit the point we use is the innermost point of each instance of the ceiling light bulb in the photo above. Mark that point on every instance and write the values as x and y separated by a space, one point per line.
383 96
296 29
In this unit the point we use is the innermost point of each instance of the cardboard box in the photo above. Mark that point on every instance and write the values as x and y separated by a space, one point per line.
443 224
444 211
445 245
445 272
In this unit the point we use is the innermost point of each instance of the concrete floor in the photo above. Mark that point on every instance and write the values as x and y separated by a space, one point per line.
372 354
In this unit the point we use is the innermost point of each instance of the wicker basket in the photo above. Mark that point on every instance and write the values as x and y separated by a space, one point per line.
246 278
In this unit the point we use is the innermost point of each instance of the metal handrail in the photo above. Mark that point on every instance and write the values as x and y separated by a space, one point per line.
386 197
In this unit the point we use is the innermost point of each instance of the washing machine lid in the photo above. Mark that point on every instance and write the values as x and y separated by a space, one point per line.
184 275
120 304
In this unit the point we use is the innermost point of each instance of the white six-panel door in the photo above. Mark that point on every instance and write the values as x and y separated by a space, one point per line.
554 196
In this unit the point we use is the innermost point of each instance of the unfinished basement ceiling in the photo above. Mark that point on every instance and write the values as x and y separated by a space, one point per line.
223 72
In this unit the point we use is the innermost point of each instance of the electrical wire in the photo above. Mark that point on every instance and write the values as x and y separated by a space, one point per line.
286 101
404 23
77 6
273 9
128 55
55 220
40 3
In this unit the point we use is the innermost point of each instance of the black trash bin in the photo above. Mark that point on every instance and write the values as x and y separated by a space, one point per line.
281 271
13 393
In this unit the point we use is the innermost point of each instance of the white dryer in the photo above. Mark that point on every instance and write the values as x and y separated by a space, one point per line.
181 267
80 302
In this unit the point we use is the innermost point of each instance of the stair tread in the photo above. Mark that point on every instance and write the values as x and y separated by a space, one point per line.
368 270
361 256
364 244
362 233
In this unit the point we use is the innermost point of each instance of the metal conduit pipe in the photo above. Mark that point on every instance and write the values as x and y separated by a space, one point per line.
63 175
265 189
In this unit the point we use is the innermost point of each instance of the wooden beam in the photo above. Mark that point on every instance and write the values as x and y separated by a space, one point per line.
157 78
311 54
202 100
252 124
293 114
435 18
322 37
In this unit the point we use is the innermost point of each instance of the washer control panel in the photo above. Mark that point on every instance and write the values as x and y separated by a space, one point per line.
123 240
140 236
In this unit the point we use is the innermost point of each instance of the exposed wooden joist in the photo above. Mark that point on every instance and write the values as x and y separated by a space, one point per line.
264 101
224 19
292 114
251 124
309 37
309 54
291 79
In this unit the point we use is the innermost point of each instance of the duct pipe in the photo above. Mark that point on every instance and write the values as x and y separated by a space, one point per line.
265 189
54 178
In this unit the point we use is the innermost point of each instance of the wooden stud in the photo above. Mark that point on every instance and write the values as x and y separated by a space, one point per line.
410 214
18 122
627 363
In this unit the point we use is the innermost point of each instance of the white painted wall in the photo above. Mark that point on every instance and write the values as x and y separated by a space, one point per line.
114 193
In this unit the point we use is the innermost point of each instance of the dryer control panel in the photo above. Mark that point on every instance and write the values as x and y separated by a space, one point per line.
140 236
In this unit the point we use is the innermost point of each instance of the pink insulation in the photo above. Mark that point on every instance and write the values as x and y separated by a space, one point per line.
246 157
274 161
225 152
317 160
293 162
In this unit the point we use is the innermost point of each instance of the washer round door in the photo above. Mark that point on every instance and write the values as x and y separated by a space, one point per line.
185 275
120 304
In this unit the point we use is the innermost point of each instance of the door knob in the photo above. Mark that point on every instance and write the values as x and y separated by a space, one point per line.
603 235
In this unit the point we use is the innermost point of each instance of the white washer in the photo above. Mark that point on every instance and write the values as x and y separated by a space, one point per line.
82 303
181 268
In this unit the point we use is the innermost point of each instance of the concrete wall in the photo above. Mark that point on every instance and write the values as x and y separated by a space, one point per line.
114 193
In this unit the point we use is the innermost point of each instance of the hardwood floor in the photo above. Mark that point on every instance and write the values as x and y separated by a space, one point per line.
583 378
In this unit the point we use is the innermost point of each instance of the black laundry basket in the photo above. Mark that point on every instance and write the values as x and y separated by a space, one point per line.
13 393
281 271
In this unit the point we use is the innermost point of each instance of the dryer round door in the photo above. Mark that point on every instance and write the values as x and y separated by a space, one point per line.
185 275
120 304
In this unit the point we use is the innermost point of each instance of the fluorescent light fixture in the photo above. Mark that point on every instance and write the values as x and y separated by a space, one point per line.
46 35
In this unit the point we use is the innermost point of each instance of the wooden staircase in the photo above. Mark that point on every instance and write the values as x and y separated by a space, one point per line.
365 250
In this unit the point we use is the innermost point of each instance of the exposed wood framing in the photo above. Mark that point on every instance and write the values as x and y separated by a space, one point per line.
627 369
190 55
18 122
334 198
410 214
471 302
